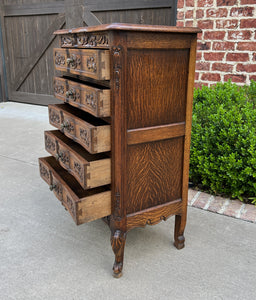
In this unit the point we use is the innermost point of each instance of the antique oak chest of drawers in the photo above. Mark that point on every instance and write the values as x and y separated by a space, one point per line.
120 150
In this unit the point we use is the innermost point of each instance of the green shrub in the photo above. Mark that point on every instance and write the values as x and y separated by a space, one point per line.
223 141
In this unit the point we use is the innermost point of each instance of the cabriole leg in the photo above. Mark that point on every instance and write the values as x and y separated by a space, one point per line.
118 242
180 223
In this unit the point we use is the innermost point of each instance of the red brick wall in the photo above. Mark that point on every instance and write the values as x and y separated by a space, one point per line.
227 44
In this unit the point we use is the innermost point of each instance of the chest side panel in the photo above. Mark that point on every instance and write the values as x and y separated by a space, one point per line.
157 81
157 78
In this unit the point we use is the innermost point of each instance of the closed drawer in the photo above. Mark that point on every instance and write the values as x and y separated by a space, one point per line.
94 100
90 132
90 170
83 205
86 62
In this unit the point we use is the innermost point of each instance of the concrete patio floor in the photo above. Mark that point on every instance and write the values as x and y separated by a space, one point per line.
44 255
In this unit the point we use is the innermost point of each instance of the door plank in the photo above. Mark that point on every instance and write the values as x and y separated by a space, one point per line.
45 41
89 18
34 9
74 13
127 5
39 99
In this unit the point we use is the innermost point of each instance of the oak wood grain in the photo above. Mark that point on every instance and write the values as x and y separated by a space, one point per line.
155 133
157 87
157 40
154 215
154 174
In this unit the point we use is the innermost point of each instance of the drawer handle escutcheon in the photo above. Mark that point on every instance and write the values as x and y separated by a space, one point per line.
68 126
65 125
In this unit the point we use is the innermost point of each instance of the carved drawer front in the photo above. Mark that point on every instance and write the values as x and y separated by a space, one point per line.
96 101
83 205
90 132
84 40
86 62
89 170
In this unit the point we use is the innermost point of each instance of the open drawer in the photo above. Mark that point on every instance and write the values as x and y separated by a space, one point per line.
83 205
93 63
90 170
90 98
90 132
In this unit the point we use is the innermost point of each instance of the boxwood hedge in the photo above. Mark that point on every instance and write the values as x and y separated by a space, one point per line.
223 141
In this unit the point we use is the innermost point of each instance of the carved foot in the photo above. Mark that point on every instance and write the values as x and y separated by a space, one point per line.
180 223
117 270
118 243
179 242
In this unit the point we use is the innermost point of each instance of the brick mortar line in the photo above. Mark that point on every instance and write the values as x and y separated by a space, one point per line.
208 203
238 215
195 198
224 207
215 18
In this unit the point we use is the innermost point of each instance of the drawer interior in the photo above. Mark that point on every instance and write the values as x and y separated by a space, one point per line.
68 180
81 115
77 148
89 81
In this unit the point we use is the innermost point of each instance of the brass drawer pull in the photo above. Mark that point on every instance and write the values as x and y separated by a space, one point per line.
64 157
69 93
57 156
70 60
65 125
69 127
73 61
52 187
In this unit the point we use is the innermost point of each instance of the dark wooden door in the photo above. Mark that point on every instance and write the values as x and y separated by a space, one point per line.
27 27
